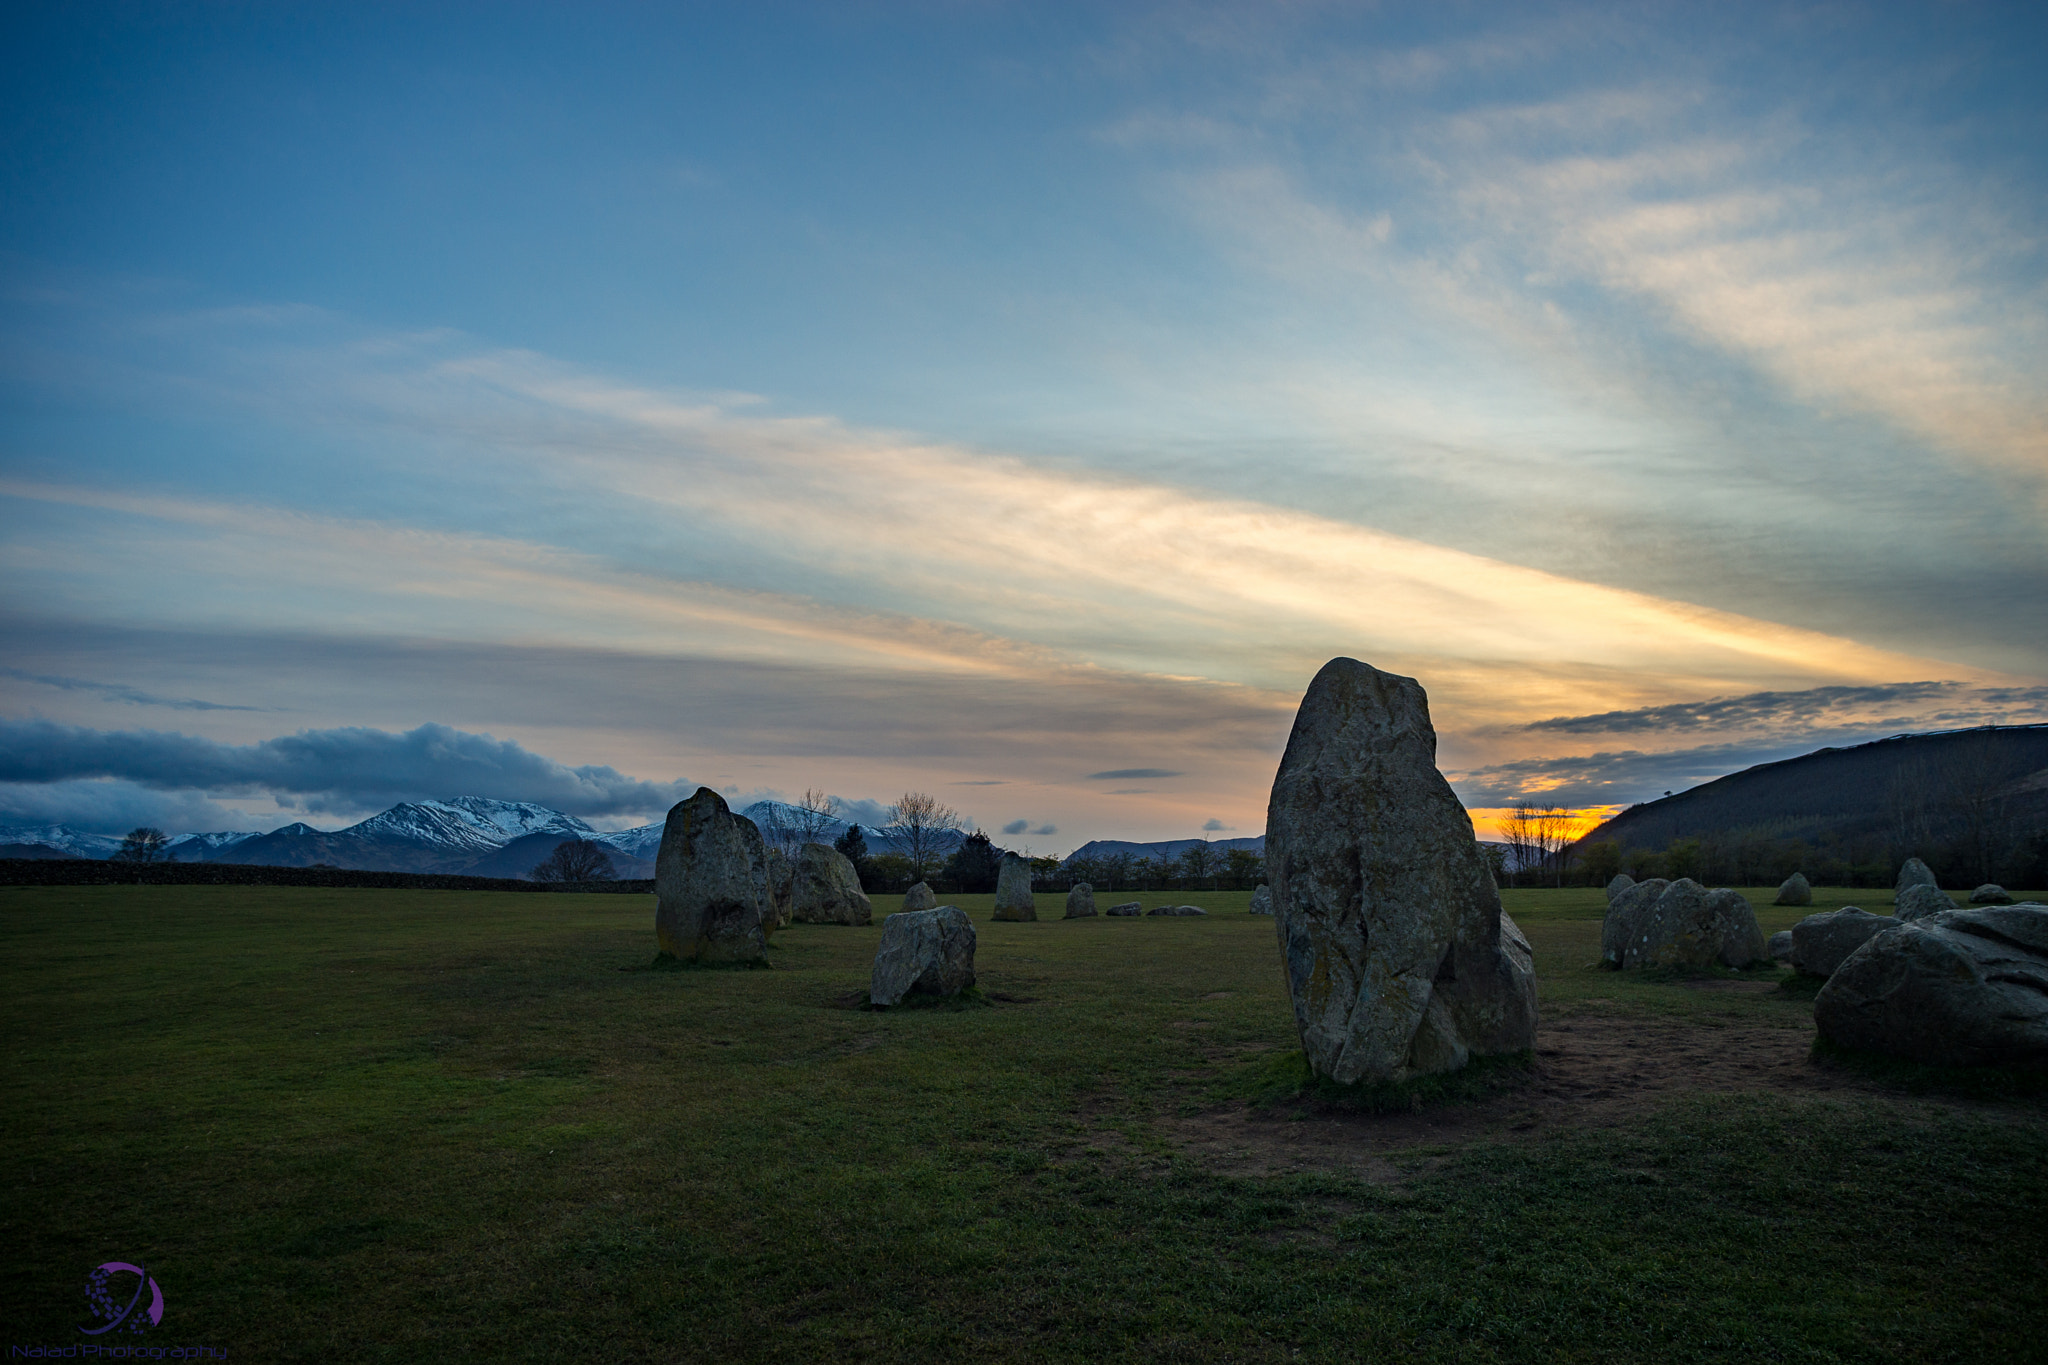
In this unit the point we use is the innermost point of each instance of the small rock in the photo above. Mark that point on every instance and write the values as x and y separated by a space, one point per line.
1080 902
827 889
1622 882
1920 900
1914 873
1780 947
1991 893
923 952
1125 909
920 897
1958 988
1795 891
1821 943
1013 890
1262 900
711 901
1178 910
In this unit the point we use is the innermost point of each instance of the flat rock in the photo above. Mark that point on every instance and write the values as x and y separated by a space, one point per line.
1914 873
1262 900
828 889
923 952
1624 918
920 897
1957 988
1795 890
711 900
1178 910
1390 925
1622 882
1920 900
1822 943
1080 901
1780 946
1013 890
1991 893
1126 909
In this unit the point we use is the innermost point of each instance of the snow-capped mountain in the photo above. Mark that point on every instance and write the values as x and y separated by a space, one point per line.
642 841
199 847
471 823
77 842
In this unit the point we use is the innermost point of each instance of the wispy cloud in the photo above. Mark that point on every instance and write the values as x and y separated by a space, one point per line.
121 692
1921 705
1124 774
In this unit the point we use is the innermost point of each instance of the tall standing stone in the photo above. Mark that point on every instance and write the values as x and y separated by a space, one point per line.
711 884
827 889
1795 890
1013 890
1913 872
1081 901
1389 924
1262 900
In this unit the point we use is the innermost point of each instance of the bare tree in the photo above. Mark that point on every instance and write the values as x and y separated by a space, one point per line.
143 845
916 824
1521 830
813 816
576 860
1198 861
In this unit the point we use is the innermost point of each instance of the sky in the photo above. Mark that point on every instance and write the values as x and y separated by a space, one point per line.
1012 402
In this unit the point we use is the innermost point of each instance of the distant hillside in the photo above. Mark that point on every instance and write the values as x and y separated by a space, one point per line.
1970 801
1110 848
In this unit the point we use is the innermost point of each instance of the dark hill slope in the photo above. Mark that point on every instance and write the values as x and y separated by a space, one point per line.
1981 793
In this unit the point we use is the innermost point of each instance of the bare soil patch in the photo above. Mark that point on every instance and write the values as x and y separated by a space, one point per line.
1590 1072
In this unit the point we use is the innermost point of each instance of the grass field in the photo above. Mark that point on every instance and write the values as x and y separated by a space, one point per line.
393 1126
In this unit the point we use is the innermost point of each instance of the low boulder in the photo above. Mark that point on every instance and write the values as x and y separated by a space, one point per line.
1921 900
1690 926
1262 900
1821 943
828 889
1958 988
1622 882
1178 910
1080 902
711 901
1624 917
1780 947
1013 890
1126 909
920 897
1914 873
923 952
1991 893
1795 890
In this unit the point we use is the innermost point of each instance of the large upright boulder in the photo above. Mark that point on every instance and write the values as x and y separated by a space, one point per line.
1620 883
827 889
1795 890
1913 872
1013 890
920 897
1692 927
1822 942
1959 988
1389 924
781 887
923 952
1921 900
1624 918
711 900
1081 901
1262 900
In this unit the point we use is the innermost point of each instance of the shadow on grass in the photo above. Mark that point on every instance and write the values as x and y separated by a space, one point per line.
1992 1084
973 998
1286 1079
668 962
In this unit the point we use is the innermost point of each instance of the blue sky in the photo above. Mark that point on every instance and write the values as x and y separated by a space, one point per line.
974 398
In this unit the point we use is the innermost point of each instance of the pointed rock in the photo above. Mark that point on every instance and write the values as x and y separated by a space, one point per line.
920 897
1081 901
1914 873
1795 890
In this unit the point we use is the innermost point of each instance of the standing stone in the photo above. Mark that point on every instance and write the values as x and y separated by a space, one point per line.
1795 891
1126 909
828 889
1622 882
1625 917
1991 893
1389 925
1821 943
711 884
1914 873
1920 900
1959 988
1262 900
1693 927
1081 901
781 888
920 897
1013 890
923 952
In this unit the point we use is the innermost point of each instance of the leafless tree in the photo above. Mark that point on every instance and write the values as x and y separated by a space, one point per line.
143 845
576 860
1197 862
916 823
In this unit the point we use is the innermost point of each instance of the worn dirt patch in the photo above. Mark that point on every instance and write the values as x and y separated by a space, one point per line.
1589 1073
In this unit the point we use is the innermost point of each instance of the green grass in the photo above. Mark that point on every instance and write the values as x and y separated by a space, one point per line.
392 1126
